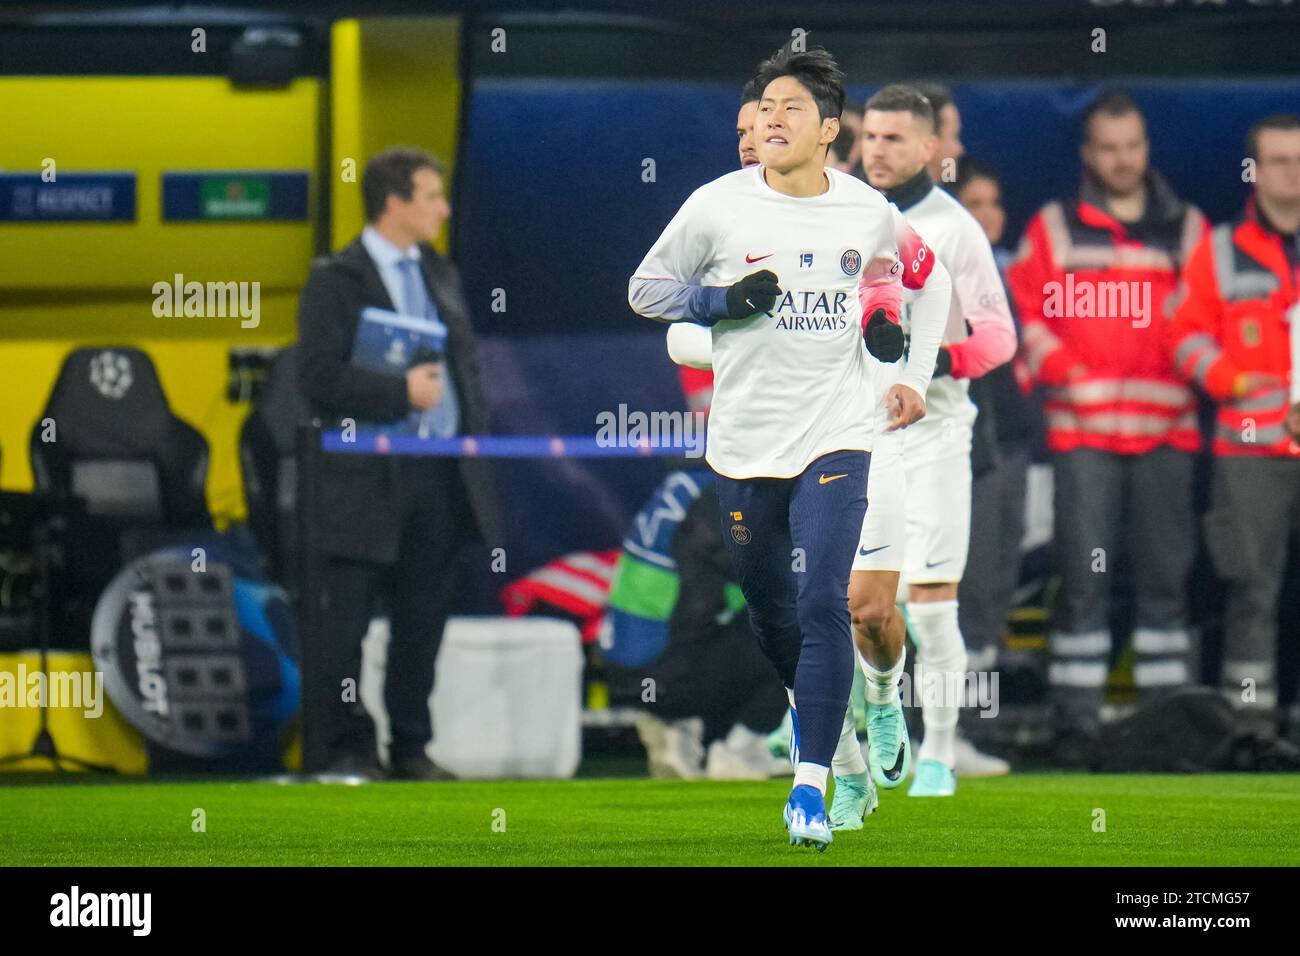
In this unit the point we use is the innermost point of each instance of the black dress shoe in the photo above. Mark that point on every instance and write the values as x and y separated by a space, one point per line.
418 767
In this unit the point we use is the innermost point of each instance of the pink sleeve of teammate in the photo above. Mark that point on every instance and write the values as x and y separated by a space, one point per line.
977 286
884 278
991 343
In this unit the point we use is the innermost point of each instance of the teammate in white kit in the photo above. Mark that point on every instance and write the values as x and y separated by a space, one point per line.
920 483
791 423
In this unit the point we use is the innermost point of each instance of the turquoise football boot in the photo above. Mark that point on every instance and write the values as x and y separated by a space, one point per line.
889 750
933 779
855 799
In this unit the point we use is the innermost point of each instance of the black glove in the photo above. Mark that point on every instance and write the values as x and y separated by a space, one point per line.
884 338
752 294
943 364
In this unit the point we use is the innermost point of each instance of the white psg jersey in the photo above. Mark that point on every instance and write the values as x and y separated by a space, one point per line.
978 297
794 383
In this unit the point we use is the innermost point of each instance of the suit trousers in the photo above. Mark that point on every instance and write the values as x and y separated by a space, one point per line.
417 591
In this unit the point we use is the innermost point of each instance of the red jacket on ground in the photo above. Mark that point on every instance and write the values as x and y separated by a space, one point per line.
1094 300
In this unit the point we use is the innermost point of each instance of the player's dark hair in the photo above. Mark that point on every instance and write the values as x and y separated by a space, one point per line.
1285 122
1110 103
752 92
969 170
391 173
900 98
815 69
939 97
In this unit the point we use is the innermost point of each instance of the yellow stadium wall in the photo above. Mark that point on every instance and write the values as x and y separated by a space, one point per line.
395 81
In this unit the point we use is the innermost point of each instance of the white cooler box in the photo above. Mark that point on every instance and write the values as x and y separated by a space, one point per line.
508 696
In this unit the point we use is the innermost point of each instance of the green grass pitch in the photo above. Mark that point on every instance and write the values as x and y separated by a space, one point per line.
1019 820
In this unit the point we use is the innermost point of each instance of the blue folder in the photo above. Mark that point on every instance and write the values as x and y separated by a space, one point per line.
390 343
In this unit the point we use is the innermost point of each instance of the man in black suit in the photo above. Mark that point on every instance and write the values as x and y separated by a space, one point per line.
390 525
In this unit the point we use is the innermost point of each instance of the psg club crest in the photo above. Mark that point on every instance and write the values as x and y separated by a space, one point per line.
740 533
851 262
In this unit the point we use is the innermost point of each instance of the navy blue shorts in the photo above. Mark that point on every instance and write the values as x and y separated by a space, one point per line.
792 543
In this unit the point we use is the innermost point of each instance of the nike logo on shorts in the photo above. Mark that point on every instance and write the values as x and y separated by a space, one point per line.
864 551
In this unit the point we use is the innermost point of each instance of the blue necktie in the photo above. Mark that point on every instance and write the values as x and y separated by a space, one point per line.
442 421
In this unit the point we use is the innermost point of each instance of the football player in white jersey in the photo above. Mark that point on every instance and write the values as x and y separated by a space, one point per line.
920 484
788 437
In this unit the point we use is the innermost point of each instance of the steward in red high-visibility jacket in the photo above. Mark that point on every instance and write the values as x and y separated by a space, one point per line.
1092 283
1232 335
1093 293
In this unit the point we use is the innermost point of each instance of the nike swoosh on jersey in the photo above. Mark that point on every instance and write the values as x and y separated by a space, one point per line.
823 480
866 551
752 260
935 564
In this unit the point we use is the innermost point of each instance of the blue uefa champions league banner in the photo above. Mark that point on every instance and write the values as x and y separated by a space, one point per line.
71 197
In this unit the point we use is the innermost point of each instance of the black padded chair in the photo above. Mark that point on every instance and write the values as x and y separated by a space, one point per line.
267 452
117 445
108 438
